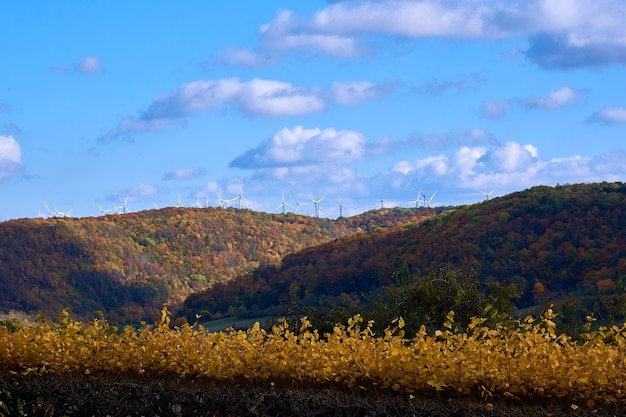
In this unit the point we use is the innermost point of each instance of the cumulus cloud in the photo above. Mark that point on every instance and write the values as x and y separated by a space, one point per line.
510 157
255 98
609 116
263 98
507 167
184 174
459 164
10 157
304 147
556 99
564 34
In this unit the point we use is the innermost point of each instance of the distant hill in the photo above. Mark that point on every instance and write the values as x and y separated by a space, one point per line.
564 244
128 265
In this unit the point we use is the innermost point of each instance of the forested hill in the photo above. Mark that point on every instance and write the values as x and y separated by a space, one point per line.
128 265
564 244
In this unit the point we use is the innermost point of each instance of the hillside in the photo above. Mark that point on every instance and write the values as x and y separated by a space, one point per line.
128 265
562 244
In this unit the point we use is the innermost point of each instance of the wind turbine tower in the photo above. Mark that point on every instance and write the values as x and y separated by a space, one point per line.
341 207
50 212
317 205
179 204
430 200
284 204
123 207
240 197
104 211
488 195
222 201
417 200
298 204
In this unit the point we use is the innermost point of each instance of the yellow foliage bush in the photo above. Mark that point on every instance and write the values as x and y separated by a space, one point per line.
529 360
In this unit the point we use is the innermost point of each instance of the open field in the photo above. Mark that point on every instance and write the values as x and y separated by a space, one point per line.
528 362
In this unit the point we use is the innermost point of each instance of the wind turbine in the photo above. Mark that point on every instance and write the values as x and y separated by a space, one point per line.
103 211
123 207
50 213
240 197
58 213
430 200
284 204
341 207
488 195
154 204
298 204
222 201
179 205
198 205
317 205
417 200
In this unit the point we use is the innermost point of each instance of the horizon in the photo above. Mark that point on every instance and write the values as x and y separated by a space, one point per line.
368 102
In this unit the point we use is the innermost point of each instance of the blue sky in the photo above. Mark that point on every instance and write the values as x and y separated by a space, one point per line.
143 101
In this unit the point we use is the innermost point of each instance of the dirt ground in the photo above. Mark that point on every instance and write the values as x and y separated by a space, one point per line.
35 395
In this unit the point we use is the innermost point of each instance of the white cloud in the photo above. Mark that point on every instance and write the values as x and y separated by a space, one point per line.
552 100
242 57
257 98
185 173
304 147
495 109
609 116
275 98
289 32
135 192
355 92
508 167
10 150
10 157
511 157
556 99
403 18
88 65
262 98
562 34
304 162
